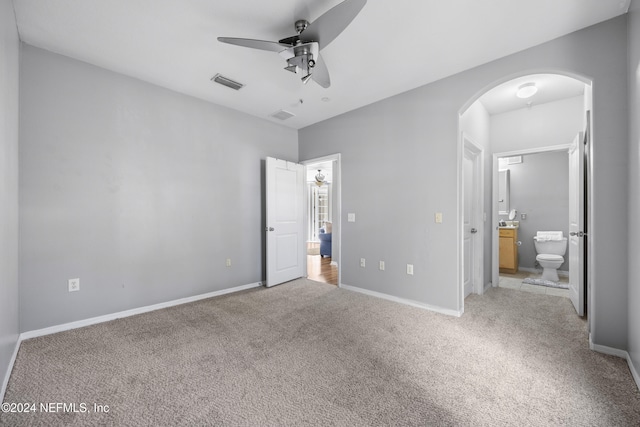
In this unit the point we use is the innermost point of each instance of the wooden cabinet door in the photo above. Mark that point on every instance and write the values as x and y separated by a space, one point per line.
506 253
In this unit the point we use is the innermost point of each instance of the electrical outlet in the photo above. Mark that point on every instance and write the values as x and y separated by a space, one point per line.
228 262
74 285
410 269
362 262
381 265
351 217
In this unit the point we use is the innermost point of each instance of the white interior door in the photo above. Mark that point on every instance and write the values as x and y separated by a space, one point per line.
576 224
285 221
470 179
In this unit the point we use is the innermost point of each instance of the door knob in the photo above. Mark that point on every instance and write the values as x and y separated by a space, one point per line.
578 233
474 231
269 229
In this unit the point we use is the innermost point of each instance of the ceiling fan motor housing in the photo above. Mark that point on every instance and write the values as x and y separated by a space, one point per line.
301 57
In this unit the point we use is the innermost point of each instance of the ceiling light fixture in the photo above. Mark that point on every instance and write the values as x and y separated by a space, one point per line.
319 178
526 90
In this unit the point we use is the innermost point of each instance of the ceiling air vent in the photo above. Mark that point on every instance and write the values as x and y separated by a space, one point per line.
282 115
224 81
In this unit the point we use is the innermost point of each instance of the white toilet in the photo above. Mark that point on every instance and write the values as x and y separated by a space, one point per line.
550 246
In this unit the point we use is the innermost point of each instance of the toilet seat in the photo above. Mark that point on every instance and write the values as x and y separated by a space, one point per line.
549 257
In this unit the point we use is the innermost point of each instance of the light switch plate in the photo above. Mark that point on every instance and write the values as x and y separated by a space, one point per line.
438 217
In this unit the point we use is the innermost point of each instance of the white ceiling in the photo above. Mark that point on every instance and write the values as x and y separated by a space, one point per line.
391 47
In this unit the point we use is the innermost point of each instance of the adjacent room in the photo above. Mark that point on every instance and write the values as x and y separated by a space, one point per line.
340 212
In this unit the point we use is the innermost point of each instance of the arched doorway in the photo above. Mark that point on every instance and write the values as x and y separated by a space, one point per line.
501 123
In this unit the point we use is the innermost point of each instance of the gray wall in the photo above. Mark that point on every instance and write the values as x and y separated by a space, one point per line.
9 60
140 192
540 188
415 135
634 184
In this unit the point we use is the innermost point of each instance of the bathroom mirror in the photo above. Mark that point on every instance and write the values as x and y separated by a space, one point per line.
503 192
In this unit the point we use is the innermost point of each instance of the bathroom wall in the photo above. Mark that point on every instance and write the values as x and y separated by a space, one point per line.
540 189
544 125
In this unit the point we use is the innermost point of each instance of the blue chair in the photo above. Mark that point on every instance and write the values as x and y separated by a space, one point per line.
325 243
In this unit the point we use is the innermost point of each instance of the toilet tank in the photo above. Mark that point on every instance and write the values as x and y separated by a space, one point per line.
553 247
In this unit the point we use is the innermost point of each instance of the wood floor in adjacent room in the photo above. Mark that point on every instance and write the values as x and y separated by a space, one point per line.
320 269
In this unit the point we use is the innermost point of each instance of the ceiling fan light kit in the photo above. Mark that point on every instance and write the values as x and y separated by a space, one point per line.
302 51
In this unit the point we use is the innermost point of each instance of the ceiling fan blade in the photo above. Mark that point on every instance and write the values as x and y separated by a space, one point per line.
329 25
321 73
254 44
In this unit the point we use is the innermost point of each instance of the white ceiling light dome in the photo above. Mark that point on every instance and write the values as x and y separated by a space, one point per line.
526 90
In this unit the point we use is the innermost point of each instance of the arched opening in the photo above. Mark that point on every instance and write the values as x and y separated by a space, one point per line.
536 134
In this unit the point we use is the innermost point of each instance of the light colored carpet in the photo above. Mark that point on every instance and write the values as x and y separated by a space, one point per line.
305 353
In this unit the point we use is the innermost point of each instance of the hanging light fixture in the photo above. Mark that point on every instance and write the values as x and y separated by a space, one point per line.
319 178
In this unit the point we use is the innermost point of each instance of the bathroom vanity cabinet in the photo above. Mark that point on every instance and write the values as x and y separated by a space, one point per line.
508 252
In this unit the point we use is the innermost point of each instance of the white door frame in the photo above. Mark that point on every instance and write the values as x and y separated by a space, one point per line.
495 266
336 210
477 264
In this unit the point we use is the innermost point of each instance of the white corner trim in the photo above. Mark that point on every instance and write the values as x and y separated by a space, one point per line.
619 353
132 312
5 382
404 301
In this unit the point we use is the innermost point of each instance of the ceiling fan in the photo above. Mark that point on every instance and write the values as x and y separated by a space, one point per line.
302 51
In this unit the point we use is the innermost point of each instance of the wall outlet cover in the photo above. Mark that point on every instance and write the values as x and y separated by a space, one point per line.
74 285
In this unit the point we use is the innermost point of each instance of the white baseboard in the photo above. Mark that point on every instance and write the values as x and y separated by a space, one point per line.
132 312
5 381
402 300
113 316
619 353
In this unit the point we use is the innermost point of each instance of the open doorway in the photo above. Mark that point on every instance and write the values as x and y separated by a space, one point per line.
533 213
322 219
540 130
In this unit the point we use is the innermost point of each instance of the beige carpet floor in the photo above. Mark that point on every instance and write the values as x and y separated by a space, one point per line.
305 353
